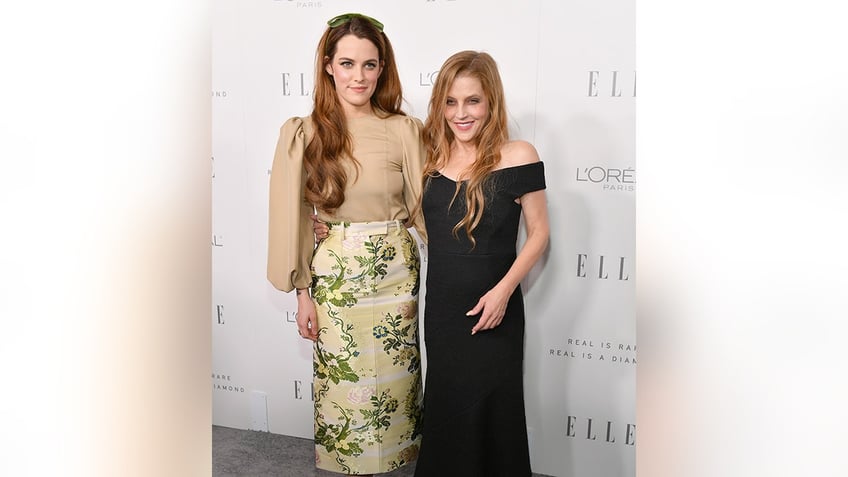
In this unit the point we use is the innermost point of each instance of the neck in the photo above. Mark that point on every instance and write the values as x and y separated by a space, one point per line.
463 153
461 159
360 112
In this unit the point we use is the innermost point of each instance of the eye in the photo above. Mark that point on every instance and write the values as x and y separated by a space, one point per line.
371 66
450 102
474 100
346 63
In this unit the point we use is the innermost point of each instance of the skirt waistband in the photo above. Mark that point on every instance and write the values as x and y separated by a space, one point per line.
364 228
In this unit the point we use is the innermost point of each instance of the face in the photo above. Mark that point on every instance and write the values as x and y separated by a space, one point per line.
355 69
466 108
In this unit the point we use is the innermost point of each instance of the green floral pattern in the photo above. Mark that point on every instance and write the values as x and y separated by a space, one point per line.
366 362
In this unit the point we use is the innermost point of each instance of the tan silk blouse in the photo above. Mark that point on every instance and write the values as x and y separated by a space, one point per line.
391 156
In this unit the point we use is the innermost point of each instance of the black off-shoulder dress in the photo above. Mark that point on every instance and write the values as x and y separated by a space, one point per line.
474 421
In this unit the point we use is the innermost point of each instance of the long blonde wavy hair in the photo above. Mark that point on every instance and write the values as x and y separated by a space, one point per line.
438 137
331 142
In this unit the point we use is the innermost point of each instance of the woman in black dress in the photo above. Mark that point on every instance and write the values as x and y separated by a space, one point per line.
477 183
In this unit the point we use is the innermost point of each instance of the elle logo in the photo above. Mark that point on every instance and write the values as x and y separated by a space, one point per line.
592 429
603 274
298 390
297 84
613 83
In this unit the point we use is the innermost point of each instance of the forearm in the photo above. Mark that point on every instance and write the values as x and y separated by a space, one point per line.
530 253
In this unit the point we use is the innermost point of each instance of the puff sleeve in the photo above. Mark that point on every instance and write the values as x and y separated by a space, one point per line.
413 167
290 236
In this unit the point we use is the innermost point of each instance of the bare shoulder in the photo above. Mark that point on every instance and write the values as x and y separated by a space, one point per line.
518 153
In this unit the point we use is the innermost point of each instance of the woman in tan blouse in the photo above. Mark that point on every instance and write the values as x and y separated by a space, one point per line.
356 161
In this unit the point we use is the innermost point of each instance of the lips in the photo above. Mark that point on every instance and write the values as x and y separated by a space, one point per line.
464 126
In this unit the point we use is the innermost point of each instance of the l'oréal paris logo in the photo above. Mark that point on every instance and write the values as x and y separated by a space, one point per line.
610 179
612 84
427 78
298 4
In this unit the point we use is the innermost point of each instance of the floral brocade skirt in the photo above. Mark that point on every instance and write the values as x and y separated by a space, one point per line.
366 362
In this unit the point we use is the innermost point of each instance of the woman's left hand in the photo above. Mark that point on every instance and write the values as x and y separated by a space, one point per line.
320 229
493 306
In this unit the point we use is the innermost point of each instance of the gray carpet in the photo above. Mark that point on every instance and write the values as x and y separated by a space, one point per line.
251 453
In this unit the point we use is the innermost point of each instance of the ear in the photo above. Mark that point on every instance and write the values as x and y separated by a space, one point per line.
327 66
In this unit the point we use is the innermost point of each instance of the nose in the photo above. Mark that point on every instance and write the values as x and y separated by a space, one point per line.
460 111
359 77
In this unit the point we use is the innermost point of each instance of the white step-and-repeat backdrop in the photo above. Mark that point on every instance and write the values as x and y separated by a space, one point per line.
568 68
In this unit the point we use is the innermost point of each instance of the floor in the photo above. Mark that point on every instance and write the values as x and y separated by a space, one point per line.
236 452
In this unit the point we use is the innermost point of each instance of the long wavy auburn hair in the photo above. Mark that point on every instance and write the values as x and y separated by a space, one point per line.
331 143
438 136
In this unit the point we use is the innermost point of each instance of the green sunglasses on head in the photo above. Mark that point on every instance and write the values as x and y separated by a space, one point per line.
342 19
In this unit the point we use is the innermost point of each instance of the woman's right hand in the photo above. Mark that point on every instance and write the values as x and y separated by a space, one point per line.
307 317
320 229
